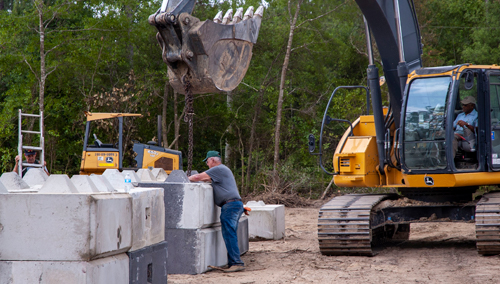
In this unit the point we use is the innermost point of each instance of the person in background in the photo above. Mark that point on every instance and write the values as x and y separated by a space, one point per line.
465 125
227 197
30 156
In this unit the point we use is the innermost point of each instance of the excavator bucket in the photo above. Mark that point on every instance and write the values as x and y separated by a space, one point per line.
208 56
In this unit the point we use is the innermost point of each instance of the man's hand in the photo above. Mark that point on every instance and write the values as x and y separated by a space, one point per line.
17 159
462 123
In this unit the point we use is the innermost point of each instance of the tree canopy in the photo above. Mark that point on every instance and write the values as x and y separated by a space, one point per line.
67 57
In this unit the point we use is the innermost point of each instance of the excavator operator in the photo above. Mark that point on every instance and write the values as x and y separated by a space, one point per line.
465 125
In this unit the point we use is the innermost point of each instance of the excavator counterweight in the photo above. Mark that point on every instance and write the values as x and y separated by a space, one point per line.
210 56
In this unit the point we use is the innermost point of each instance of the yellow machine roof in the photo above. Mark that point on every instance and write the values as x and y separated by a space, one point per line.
106 115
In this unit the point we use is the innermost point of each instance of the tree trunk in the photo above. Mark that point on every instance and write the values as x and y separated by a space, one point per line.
43 68
164 115
227 152
282 87
177 122
252 133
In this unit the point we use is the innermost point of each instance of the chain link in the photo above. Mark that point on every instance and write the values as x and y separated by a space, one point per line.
189 119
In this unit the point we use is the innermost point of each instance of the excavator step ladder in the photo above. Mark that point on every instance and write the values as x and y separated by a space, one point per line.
21 147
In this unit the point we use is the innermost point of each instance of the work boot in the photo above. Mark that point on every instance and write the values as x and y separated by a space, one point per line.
234 268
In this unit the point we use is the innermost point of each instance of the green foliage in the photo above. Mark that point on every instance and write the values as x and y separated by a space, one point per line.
104 58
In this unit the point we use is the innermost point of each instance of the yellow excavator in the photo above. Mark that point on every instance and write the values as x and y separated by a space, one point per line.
411 145
99 156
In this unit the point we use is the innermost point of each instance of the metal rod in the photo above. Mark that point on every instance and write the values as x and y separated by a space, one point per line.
369 49
120 142
159 129
399 32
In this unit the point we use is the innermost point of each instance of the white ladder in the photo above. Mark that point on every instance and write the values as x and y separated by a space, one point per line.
21 147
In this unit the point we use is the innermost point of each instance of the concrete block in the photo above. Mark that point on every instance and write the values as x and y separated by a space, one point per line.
148 218
145 175
35 177
116 179
13 181
243 236
191 251
177 176
109 270
267 222
58 184
149 264
102 183
3 189
64 227
84 184
188 205
160 174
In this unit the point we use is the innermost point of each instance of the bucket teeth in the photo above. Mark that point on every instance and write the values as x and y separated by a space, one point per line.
218 18
259 12
227 17
237 16
248 13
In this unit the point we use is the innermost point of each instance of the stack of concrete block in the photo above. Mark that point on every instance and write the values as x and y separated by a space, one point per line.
80 230
266 221
192 227
148 254
65 238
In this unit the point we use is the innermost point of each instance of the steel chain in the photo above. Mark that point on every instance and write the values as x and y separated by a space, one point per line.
189 119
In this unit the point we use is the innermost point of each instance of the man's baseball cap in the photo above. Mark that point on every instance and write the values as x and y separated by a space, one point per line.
211 154
29 152
468 100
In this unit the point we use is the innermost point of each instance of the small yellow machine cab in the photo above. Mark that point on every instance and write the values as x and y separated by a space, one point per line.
99 156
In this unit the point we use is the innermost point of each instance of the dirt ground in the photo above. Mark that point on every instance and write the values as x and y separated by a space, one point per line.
436 253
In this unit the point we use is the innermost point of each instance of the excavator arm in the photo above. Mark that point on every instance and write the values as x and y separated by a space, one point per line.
210 56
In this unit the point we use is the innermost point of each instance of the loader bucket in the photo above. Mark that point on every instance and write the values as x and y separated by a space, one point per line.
210 56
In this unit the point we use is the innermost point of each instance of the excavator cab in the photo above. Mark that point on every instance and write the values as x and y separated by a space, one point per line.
205 56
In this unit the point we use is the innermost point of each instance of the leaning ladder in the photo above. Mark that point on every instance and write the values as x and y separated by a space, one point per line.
21 147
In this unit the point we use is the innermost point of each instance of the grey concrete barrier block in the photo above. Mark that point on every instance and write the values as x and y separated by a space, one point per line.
109 270
64 227
266 221
160 174
188 205
116 179
191 251
177 176
102 183
84 184
148 218
35 177
243 236
3 189
145 175
58 184
110 172
149 264
13 181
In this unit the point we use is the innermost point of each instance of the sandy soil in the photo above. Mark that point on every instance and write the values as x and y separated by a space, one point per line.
436 253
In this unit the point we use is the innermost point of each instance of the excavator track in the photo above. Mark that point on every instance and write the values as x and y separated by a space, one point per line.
488 224
344 224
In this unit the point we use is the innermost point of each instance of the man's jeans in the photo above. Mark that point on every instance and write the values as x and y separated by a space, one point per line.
229 219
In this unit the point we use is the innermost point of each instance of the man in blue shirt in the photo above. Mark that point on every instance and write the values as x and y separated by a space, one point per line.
465 125
226 196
